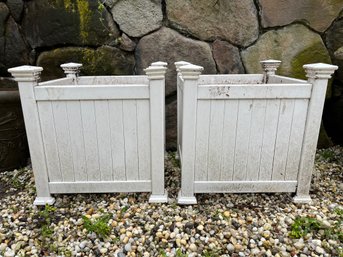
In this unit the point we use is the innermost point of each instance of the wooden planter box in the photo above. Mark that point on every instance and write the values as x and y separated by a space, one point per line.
248 133
95 134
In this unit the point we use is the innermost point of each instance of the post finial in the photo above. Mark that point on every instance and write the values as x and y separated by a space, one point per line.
179 64
270 66
191 71
156 70
163 64
319 70
71 69
26 73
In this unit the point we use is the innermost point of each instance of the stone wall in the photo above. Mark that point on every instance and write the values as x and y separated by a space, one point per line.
224 36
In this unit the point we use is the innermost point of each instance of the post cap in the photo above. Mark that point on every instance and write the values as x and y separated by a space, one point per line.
71 69
164 64
319 70
26 73
270 66
270 61
180 63
156 72
191 71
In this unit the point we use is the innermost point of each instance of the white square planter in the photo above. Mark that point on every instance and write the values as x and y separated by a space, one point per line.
248 133
95 134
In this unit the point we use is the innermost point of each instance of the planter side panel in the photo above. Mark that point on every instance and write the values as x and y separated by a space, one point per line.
96 140
242 139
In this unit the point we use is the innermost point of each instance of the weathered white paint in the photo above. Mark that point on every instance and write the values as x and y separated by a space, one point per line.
190 75
156 75
27 78
318 75
244 186
85 138
71 69
96 92
231 79
112 80
244 91
179 94
254 133
274 79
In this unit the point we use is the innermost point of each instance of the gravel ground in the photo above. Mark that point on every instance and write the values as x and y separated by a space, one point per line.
220 225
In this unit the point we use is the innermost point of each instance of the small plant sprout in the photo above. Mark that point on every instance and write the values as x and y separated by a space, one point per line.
45 219
99 225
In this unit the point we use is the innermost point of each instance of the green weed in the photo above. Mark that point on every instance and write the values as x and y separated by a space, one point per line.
99 226
328 155
211 253
304 225
163 253
179 253
44 217
124 209
16 182
174 159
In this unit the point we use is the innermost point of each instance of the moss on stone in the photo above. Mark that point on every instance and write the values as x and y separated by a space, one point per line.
83 10
312 54
105 60
85 16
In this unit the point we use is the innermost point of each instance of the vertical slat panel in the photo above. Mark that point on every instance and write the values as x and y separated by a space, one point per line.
63 140
77 140
256 137
130 134
215 139
103 135
282 138
242 139
229 139
143 132
269 137
296 139
117 139
49 139
90 139
201 141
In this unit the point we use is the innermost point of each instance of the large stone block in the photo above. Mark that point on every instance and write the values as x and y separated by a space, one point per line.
60 22
227 58
4 13
294 45
16 7
233 21
318 14
170 46
105 60
334 107
137 18
334 41
16 52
